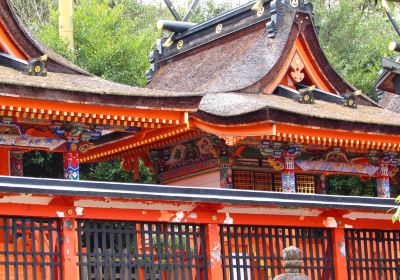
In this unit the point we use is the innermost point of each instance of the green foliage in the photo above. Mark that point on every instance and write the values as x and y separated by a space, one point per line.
34 13
111 171
355 36
112 40
209 9
350 185
43 165
396 215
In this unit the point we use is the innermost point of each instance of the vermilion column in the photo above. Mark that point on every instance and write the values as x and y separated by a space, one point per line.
4 162
288 176
69 243
339 254
16 163
213 251
71 157
383 182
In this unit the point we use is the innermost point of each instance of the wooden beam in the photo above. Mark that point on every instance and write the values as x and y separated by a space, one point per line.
258 129
88 113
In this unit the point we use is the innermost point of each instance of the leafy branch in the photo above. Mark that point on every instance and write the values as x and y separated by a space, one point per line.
396 215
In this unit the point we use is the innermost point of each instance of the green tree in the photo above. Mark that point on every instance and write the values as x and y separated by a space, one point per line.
111 171
350 185
396 215
43 164
355 35
106 34
34 13
111 41
209 9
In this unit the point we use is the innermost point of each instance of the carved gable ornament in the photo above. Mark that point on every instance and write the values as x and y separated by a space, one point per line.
294 3
297 67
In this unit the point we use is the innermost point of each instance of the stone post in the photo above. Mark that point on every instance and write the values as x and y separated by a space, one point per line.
292 262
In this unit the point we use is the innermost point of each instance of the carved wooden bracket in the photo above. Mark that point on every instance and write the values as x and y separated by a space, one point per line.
231 140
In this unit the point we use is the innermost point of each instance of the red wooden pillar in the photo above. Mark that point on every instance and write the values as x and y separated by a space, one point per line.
4 162
69 258
136 170
213 252
339 254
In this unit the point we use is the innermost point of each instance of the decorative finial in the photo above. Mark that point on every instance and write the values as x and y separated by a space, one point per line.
292 262
292 259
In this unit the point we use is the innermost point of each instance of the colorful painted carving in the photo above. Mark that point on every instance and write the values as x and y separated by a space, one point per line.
9 129
71 158
288 176
186 158
204 146
190 169
16 163
288 182
226 181
383 186
30 142
338 167
336 156
276 164
231 140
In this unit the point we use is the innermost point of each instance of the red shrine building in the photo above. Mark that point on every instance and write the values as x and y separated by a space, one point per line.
242 121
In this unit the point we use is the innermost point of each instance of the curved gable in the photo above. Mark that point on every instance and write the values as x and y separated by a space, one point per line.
18 41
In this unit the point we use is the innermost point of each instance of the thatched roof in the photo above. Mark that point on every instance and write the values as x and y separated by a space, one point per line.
66 82
247 58
91 90
390 71
231 65
83 84
390 101
227 105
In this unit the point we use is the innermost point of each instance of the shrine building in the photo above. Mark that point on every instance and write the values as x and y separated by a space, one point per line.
242 121
276 120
